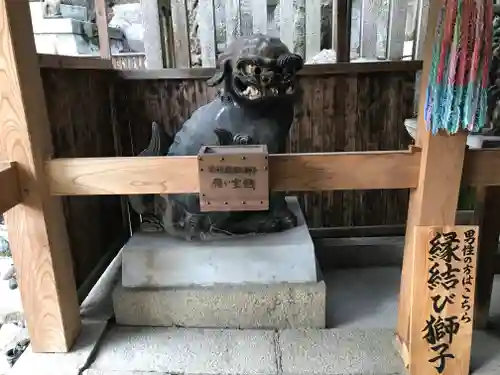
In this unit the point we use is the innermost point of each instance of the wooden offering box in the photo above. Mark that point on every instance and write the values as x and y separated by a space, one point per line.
233 178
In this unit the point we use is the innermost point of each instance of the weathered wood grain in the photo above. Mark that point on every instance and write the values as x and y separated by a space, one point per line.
479 168
233 20
487 216
313 28
207 33
73 62
37 231
369 20
422 20
80 114
396 30
430 204
313 70
287 24
343 30
259 16
152 34
181 32
179 174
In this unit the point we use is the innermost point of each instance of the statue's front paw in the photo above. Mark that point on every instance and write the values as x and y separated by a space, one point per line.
287 219
278 221
270 225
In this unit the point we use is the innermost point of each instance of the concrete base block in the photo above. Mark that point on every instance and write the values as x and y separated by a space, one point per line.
273 306
158 260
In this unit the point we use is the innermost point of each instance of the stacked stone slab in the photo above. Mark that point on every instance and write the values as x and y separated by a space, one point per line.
71 34
267 281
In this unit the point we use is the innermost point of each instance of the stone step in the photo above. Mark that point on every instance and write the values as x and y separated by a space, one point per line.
117 350
154 351
245 352
274 306
362 307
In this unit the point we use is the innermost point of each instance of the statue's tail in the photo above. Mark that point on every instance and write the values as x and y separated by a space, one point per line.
158 146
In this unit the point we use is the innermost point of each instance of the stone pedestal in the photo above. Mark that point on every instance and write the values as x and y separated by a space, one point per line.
265 281
157 260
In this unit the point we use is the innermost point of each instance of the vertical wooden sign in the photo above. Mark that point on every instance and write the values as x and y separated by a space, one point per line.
443 300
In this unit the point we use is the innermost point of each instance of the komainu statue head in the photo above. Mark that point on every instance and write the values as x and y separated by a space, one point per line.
258 69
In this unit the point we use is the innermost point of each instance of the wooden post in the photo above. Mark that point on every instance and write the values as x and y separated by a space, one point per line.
37 230
368 31
313 27
342 26
487 216
435 200
396 30
182 52
422 15
206 27
101 13
152 34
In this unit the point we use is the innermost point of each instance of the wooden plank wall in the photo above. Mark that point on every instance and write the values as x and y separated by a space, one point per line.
80 113
356 112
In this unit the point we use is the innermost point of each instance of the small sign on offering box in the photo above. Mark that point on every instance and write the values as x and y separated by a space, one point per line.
233 178
443 299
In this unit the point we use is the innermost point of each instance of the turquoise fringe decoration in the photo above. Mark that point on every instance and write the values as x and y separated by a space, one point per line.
456 96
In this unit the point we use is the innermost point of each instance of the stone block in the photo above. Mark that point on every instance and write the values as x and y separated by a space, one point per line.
132 372
273 306
338 351
75 12
11 307
158 260
64 44
58 26
186 351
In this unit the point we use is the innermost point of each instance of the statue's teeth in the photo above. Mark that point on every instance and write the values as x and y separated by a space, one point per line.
252 92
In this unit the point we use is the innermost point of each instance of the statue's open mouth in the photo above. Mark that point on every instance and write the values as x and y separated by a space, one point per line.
255 92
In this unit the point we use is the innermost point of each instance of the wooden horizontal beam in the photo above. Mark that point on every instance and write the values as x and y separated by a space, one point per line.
290 172
74 62
308 70
481 167
10 192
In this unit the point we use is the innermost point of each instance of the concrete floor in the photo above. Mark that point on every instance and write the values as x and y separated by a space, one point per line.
368 298
361 311
362 314
362 297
